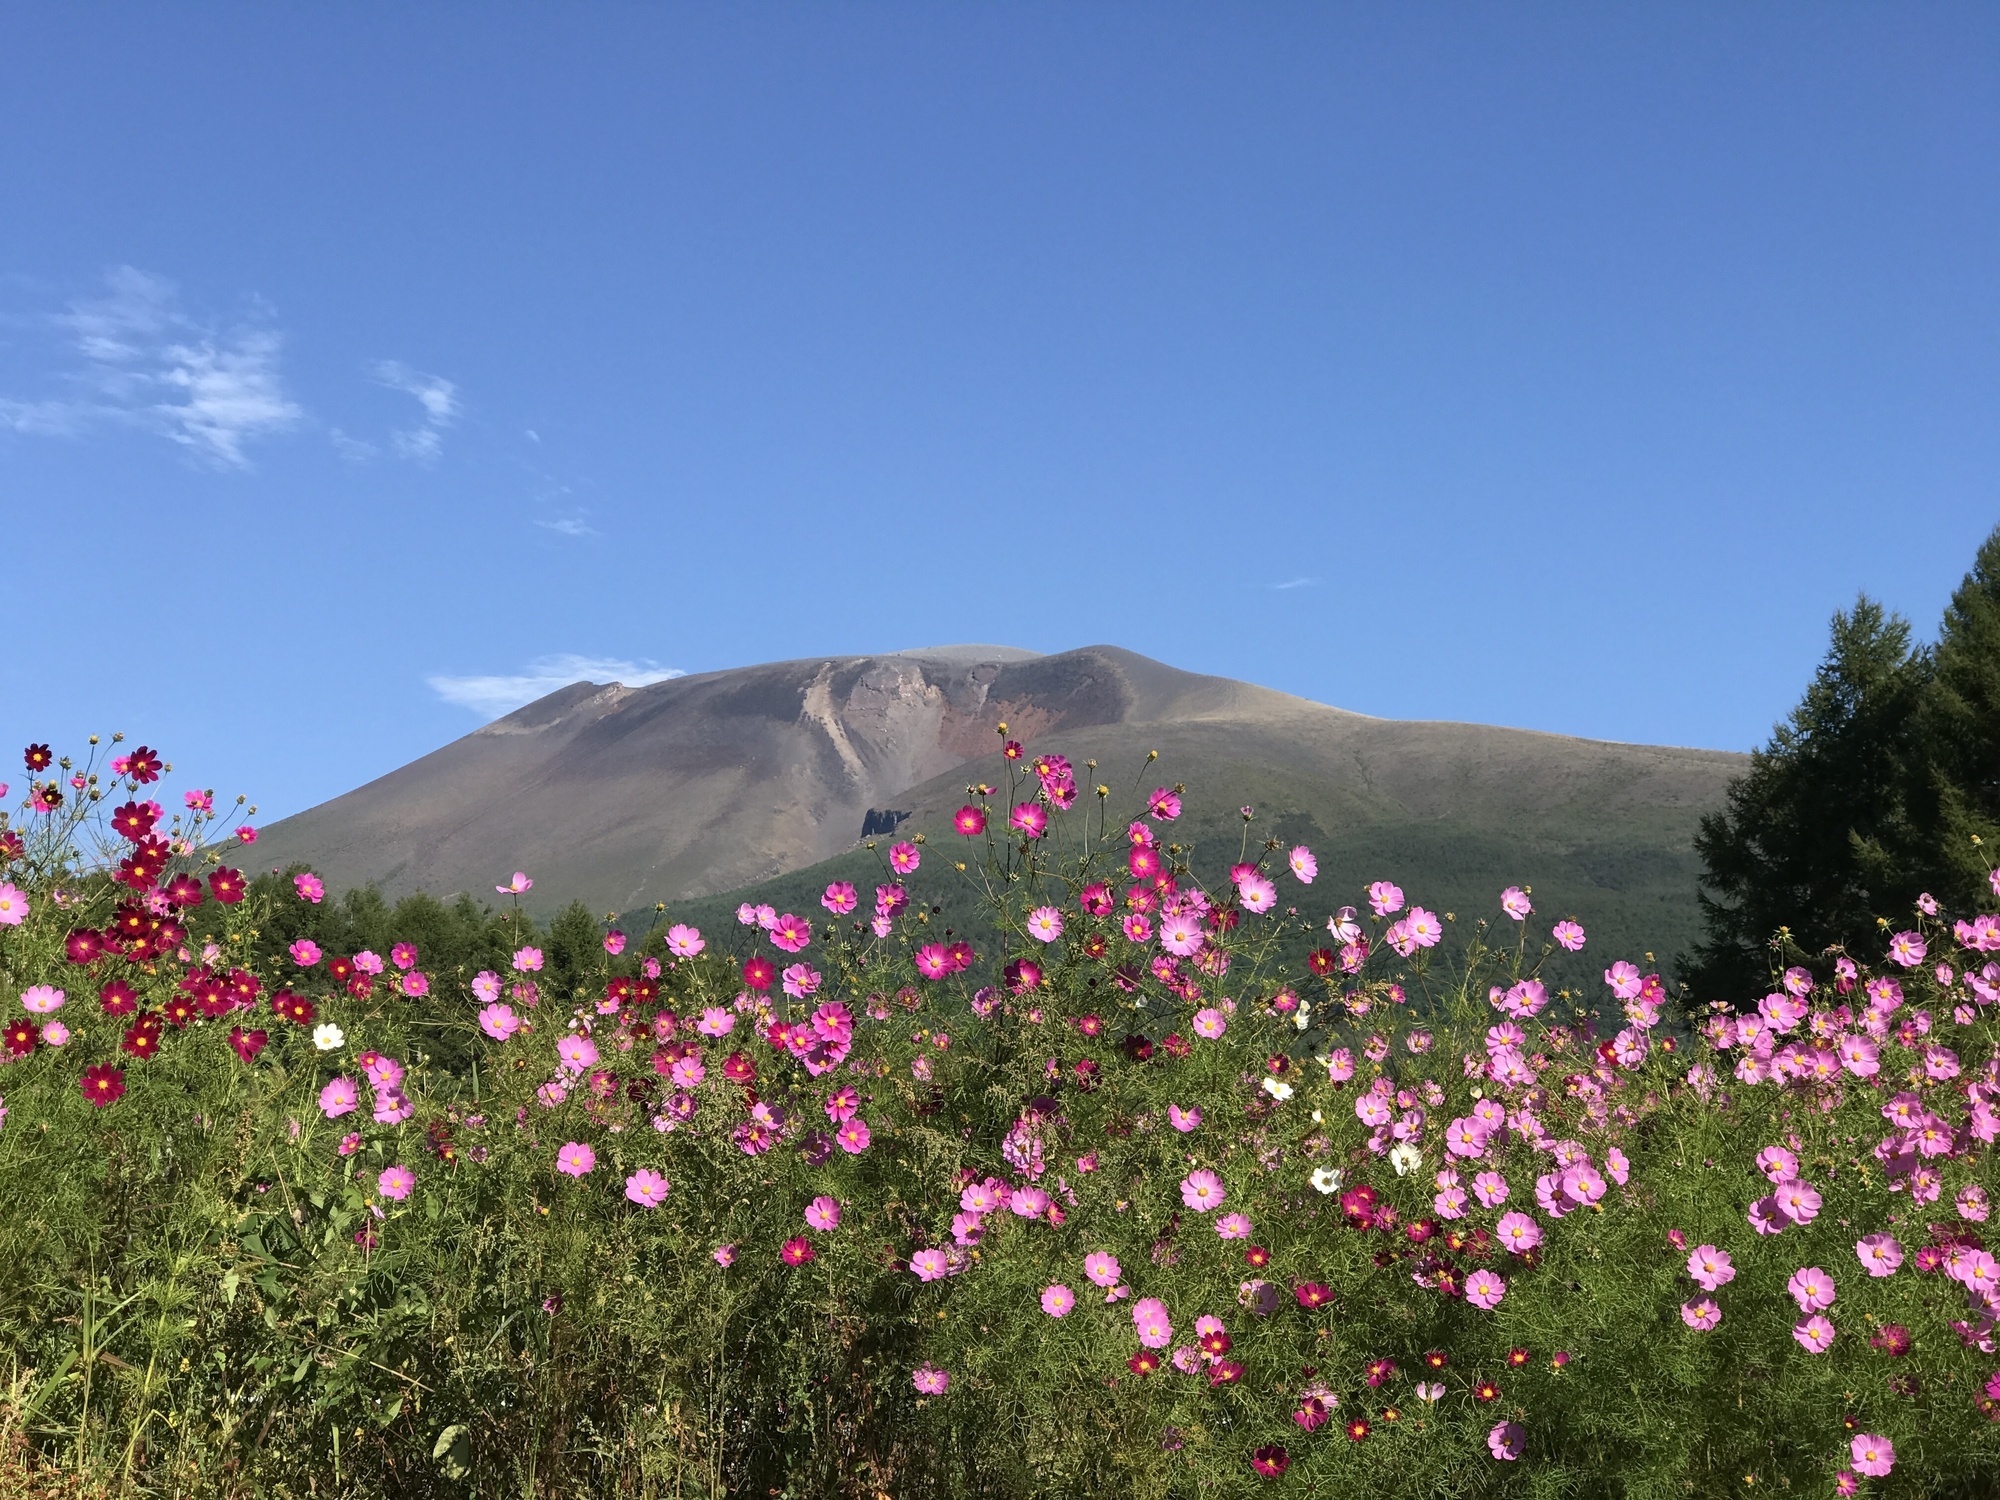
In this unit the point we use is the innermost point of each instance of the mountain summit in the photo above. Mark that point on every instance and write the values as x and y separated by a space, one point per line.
623 797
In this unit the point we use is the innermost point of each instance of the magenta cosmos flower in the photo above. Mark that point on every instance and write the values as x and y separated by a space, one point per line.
823 1213
310 888
1102 1267
1506 1440
1202 1191
576 1159
904 859
396 1182
1057 1300
930 1380
1874 1455
725 1256
797 1251
969 821
840 898
791 933
1184 1120
305 953
1149 1319
647 1188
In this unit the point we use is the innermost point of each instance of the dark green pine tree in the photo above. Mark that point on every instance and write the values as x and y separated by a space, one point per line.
1956 799
1814 834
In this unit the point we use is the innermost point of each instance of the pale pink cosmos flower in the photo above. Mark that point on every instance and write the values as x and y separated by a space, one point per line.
1507 1441
1385 898
1907 949
1180 935
1233 1226
1422 928
1815 1335
1209 1023
1701 1316
1518 1232
1184 1120
1873 1455
725 1256
684 941
930 1265
1569 935
519 885
1484 1290
1880 1254
1490 1188
823 1213
1102 1267
1811 1288
486 985
1304 866
1202 1191
1057 1300
576 1052
310 887
1514 902
1045 924
1972 1203
930 1380
1256 894
1777 1164
499 1021
13 905
576 1159
1711 1268
368 962
339 1097
305 952
396 1182
41 999
527 960
715 1021
1798 1201
1149 1319
801 981
646 1188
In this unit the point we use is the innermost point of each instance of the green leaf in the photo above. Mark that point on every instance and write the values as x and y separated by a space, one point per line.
453 1451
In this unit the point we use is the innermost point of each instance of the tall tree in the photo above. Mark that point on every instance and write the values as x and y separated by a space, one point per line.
1814 834
1955 799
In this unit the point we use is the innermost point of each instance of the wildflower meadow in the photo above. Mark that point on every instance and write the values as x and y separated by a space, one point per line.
1182 1175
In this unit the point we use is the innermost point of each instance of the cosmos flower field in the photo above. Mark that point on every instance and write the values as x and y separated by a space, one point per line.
1164 1186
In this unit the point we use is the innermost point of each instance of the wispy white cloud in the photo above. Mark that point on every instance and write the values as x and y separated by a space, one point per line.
490 697
144 362
437 396
1296 583
571 525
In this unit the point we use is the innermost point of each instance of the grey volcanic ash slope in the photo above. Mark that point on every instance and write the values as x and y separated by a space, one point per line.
625 797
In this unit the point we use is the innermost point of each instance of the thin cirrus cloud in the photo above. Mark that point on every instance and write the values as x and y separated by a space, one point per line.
1296 583
140 360
490 697
437 396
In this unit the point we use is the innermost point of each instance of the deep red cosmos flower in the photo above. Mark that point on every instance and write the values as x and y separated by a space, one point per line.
22 1037
759 972
1322 961
134 820
83 945
247 1043
1145 1362
1228 1372
1022 975
1357 1429
1517 1357
738 1069
1256 1257
102 1084
1270 1461
38 757
1437 1359
1486 1390
227 885
798 1250
1310 1293
142 1037
184 890
143 765
1216 1343
118 998
291 1007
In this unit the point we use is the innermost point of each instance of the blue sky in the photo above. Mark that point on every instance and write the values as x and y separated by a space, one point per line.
1560 366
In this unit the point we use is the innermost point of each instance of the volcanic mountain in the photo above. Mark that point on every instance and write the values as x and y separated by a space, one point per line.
626 797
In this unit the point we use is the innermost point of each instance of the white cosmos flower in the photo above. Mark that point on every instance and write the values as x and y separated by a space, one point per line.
1326 1179
1277 1090
1406 1159
329 1037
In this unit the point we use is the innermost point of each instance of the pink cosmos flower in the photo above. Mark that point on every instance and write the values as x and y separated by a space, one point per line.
1880 1254
518 886
1490 1188
1777 1164
310 887
1569 935
1518 1232
41 999
1484 1290
1507 1441
1102 1267
1180 934
840 898
1209 1023
1304 866
823 1213
1385 898
1422 928
1256 894
904 859
853 1137
1873 1454
1907 949
797 1251
527 960
1583 1183
930 1265
684 941
415 984
1815 1335
404 955
576 1159
1711 1268
725 1256
1233 1227
1971 1203
930 1380
338 1098
1045 924
1057 1300
1798 1201
1184 1120
614 942
486 985
1811 1288
576 1052
801 981
646 1188
1149 1318
305 952
1514 902
791 933
715 1021
933 960
1701 1316
1202 1191
396 1182
1029 818
368 962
